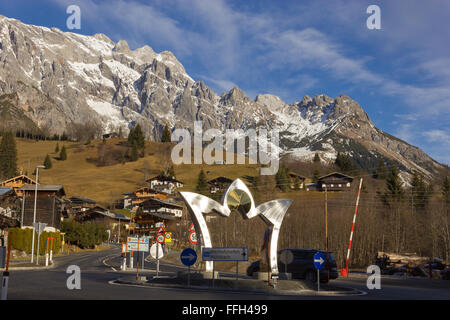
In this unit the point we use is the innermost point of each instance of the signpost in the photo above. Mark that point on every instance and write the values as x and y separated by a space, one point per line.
286 257
319 260
39 227
157 253
188 257
225 254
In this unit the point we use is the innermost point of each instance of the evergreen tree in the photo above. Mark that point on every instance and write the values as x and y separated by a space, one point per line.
394 191
57 148
282 178
47 162
381 170
296 184
8 156
134 153
446 190
136 137
202 184
419 192
316 158
316 175
166 135
63 154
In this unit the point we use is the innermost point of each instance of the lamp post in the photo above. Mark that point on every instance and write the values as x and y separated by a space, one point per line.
34 214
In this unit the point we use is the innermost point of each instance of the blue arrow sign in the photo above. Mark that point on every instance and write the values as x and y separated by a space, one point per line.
188 257
319 260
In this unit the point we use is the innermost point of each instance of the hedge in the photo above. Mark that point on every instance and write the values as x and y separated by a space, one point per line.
22 240
85 235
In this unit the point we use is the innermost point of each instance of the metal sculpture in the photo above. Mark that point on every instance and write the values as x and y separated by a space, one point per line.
271 212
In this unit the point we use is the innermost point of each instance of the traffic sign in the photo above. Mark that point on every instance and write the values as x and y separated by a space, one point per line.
286 257
188 257
193 237
39 227
156 252
225 254
168 236
132 244
319 260
160 238
160 230
192 228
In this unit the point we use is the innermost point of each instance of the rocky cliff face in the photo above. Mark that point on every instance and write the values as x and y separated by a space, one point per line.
61 78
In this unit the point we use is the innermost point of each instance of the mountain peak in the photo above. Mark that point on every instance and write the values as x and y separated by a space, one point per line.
122 47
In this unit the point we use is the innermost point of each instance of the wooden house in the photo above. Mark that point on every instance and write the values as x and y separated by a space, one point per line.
80 204
334 181
165 184
16 183
155 212
101 215
219 184
133 199
295 178
49 205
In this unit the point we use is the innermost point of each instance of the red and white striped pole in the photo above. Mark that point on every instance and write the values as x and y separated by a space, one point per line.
344 272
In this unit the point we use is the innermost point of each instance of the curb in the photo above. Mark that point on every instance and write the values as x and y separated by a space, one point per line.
346 292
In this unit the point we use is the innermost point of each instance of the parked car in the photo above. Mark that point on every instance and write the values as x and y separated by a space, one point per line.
302 267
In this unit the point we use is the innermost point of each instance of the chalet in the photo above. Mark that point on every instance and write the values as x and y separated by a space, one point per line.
133 199
16 183
219 184
49 205
334 182
79 204
295 178
155 212
101 215
164 183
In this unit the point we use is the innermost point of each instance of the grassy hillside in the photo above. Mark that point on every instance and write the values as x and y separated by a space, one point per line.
82 177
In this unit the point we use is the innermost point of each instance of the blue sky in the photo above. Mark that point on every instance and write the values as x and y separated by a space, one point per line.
400 74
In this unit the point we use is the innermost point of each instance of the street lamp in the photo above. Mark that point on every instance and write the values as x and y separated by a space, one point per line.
34 214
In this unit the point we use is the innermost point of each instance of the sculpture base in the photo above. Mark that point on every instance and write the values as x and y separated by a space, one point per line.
264 276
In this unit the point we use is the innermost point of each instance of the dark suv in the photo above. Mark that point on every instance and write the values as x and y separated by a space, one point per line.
302 267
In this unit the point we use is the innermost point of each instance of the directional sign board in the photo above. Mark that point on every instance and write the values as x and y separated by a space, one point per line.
188 257
319 260
132 244
225 254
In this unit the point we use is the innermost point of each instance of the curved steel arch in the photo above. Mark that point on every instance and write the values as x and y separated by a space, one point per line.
271 212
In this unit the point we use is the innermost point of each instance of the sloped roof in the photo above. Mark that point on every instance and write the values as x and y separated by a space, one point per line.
44 187
30 181
336 173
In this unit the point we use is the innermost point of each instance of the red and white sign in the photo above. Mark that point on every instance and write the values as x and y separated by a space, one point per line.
192 228
160 230
160 238
193 237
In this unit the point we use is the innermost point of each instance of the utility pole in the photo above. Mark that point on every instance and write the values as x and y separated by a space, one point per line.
34 214
326 229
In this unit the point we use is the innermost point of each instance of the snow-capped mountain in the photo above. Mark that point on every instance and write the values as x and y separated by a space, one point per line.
56 78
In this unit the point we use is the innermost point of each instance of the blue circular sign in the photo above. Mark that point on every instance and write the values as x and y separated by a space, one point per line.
188 257
319 260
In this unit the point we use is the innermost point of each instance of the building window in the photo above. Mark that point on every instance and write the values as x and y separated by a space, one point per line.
348 184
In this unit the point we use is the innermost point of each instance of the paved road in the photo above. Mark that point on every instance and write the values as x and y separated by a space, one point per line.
97 270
